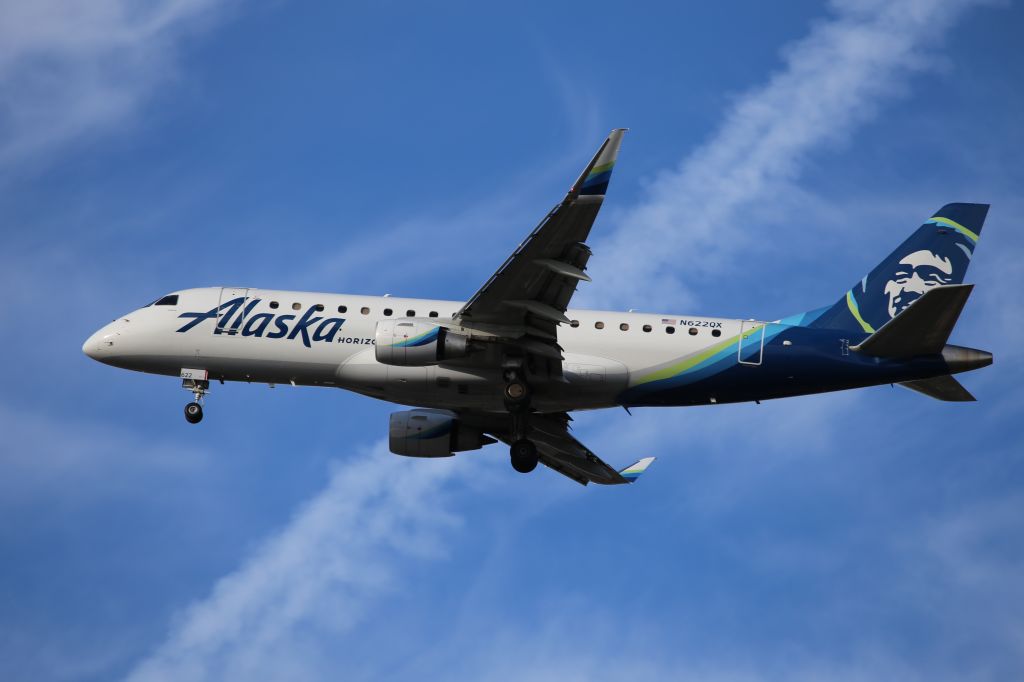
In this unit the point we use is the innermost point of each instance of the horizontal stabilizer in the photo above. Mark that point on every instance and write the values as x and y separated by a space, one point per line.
941 388
923 328
633 471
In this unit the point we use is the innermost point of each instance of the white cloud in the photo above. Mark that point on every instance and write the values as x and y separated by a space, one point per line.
581 641
720 199
311 582
70 68
778 436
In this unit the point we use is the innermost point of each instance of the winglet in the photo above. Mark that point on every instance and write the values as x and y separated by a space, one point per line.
595 177
633 471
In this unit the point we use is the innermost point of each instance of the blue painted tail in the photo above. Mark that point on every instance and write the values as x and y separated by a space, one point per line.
937 253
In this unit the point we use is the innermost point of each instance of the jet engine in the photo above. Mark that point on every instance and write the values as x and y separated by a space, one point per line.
432 433
412 343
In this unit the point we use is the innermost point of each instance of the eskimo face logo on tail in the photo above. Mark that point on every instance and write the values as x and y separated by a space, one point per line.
914 275
936 255
235 317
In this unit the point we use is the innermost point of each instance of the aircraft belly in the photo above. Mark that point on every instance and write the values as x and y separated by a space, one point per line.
590 382
264 360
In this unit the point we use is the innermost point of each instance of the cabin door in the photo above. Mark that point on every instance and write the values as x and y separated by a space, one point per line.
751 345
231 310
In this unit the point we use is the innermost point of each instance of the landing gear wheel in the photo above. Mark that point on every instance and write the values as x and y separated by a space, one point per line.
524 456
193 413
517 396
198 388
516 390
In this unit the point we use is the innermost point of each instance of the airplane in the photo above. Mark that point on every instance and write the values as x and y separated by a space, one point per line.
514 361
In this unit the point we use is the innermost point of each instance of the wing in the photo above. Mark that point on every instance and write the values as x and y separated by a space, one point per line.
527 297
560 451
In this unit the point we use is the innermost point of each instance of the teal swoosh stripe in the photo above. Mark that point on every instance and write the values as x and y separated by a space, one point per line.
419 340
704 363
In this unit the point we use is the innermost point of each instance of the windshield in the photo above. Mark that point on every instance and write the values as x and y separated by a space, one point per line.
169 299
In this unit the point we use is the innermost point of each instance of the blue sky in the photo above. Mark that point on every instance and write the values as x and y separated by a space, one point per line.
777 152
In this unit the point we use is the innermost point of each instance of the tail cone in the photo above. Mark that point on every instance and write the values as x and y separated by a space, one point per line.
963 359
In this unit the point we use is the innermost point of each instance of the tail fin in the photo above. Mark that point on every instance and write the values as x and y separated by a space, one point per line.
937 254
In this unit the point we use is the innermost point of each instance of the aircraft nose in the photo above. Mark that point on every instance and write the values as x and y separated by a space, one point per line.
100 345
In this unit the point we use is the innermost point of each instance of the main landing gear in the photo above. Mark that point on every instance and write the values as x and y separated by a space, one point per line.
517 396
524 455
199 388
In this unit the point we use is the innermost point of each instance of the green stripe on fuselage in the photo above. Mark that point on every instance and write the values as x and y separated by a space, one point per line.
694 360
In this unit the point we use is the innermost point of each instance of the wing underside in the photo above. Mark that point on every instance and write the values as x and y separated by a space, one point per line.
525 300
560 451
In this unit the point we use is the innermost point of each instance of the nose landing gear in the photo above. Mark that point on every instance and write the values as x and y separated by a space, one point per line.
199 388
193 413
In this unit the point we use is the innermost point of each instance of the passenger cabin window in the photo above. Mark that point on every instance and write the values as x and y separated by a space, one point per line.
274 304
170 299
624 327
670 330
387 312
647 327
693 331
319 307
433 313
599 325
574 324
410 313
342 308
716 332
364 310
296 306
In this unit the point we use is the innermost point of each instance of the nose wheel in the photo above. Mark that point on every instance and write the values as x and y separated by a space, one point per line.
198 388
524 456
193 413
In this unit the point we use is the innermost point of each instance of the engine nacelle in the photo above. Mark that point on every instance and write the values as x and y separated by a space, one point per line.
432 433
412 343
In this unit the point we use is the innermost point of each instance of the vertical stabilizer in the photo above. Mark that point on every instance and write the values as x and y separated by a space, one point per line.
937 254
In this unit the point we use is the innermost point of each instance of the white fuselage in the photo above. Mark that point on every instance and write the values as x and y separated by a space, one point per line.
261 341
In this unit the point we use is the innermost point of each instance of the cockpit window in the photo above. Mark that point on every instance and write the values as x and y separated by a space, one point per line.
170 299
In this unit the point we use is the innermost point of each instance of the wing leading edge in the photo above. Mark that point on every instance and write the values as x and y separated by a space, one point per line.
527 297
